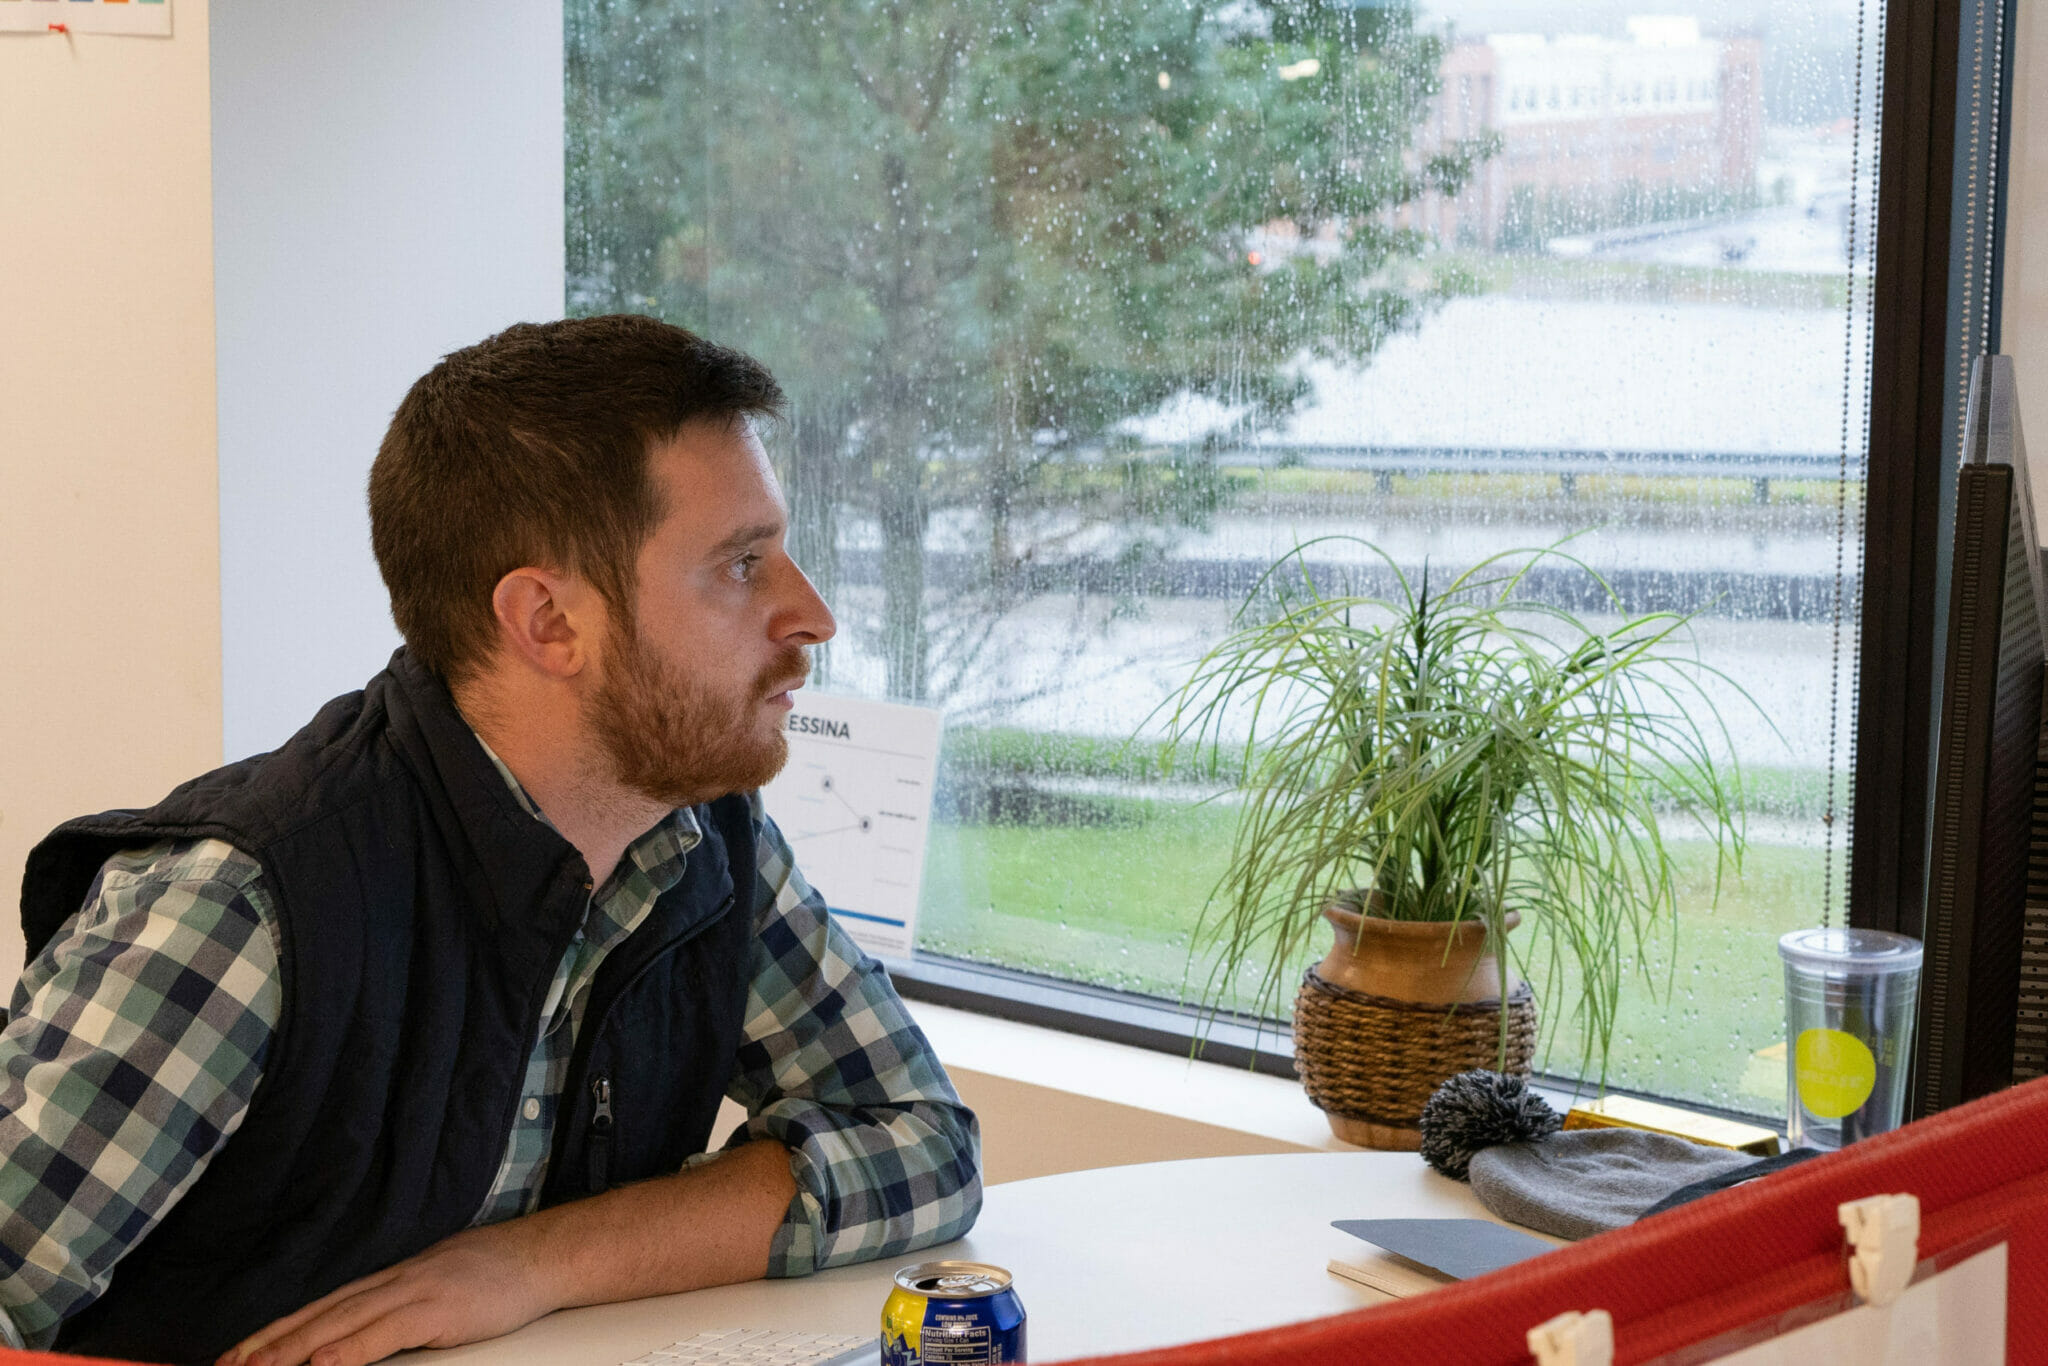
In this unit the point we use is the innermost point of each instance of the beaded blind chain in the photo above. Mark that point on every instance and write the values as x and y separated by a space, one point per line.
1852 466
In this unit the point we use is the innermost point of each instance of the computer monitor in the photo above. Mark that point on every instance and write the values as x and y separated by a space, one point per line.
1983 983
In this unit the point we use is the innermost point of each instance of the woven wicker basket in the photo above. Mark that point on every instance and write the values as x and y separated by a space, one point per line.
1395 1009
1375 1061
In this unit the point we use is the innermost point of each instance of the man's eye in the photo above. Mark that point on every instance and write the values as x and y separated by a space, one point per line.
742 569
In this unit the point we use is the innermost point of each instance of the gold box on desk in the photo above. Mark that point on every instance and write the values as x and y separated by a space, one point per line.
1626 1112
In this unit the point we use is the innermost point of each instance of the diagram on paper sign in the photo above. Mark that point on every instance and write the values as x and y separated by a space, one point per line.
858 820
854 802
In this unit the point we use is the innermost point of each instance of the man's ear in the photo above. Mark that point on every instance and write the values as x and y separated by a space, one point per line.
546 620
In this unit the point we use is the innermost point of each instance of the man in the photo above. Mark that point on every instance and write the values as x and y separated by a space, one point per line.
413 1030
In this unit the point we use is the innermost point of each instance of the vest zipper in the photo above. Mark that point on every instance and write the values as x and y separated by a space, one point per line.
598 1161
601 1136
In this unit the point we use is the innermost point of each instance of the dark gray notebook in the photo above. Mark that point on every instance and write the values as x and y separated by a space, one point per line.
1462 1248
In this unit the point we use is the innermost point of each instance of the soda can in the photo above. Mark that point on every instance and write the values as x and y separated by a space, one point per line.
952 1312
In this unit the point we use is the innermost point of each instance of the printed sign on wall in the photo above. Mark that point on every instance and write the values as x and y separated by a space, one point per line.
855 804
148 18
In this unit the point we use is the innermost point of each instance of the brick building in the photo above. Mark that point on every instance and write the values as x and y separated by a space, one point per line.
1595 131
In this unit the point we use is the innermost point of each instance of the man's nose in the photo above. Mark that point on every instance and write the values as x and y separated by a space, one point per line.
810 621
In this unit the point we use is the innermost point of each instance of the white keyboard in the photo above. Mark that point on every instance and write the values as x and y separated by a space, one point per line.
762 1347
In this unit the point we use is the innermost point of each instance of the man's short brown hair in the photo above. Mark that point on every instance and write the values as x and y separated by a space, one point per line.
531 448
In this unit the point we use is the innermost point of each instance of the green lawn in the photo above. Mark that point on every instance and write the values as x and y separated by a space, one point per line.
1114 904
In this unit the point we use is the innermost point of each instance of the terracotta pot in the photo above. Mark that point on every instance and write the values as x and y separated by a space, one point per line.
1416 962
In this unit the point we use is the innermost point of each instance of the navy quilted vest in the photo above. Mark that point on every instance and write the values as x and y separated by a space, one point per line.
423 914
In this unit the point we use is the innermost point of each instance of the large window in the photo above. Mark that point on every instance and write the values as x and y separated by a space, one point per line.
1090 309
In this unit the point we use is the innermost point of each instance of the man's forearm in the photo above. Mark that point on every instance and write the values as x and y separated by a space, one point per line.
710 1225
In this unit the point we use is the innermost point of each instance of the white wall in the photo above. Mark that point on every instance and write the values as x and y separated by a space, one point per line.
108 515
387 187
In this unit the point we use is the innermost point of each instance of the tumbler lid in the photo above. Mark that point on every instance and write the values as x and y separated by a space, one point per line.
1862 953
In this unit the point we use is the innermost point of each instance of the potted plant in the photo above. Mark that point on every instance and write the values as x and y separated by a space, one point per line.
1423 771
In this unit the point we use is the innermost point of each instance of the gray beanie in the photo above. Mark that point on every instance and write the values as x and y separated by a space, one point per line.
1503 1137
1586 1181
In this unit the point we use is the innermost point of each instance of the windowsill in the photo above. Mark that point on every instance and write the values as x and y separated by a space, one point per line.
1054 1095
1053 1099
1230 1098
1117 1048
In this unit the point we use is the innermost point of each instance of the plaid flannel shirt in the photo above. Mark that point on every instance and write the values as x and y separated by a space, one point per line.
138 1037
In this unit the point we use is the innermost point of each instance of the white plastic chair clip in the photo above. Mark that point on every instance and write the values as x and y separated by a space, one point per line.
1574 1339
1884 1245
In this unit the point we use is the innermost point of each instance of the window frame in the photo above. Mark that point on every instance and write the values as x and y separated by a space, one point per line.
1918 332
1917 329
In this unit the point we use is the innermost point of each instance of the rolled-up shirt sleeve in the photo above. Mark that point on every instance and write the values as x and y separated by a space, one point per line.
831 1066
135 1045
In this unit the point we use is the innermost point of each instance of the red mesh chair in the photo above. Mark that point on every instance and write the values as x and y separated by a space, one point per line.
1733 1260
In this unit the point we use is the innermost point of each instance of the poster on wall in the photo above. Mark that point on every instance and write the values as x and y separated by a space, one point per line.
855 804
146 18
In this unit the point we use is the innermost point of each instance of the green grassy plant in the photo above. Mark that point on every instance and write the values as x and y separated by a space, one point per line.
1453 754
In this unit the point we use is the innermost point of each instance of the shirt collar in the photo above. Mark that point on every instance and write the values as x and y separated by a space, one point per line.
658 854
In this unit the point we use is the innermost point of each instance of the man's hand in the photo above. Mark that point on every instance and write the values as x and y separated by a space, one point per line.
477 1284
710 1225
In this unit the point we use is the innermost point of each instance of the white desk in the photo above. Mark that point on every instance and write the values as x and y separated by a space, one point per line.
1111 1260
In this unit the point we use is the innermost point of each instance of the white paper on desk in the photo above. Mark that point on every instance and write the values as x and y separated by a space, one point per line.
142 18
1957 1315
855 804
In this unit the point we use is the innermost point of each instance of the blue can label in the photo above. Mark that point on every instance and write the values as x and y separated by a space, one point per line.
955 1313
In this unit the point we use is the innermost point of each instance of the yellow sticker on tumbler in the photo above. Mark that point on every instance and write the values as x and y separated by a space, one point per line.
1835 1072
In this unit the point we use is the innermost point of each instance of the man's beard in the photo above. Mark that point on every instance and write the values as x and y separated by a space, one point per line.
672 739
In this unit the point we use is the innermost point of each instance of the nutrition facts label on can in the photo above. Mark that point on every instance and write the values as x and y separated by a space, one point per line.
964 1343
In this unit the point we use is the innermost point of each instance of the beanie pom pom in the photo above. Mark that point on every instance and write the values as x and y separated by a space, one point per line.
1479 1109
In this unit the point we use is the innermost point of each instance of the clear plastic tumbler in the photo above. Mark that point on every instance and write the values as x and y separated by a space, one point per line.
1850 997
